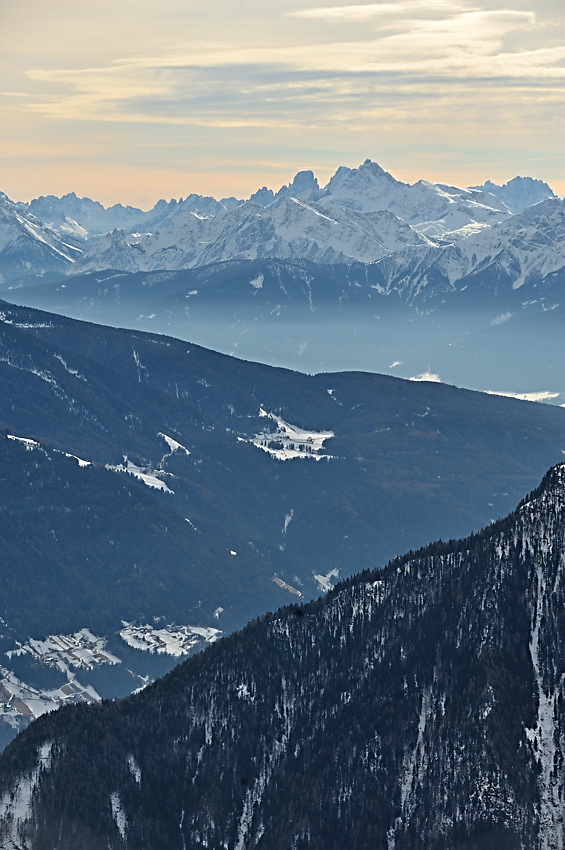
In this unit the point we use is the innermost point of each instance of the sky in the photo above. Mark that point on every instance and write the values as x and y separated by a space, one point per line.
130 102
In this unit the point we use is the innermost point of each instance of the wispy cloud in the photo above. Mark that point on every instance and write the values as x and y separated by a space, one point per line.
433 52
421 85
368 11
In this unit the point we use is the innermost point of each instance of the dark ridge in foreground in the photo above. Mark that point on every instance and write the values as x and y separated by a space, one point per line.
416 708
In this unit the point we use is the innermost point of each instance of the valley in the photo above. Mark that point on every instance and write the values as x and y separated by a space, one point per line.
230 433
156 483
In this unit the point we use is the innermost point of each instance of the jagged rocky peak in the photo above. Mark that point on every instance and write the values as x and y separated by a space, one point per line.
116 236
304 180
421 707
304 186
368 174
201 203
81 216
520 192
163 206
369 166
263 197
437 212
338 178
370 188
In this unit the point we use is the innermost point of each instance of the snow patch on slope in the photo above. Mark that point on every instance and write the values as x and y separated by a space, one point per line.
324 582
118 814
290 441
174 445
544 736
30 445
542 395
16 806
150 477
427 376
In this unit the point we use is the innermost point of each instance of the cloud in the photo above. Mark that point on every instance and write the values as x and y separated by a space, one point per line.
434 52
435 88
367 11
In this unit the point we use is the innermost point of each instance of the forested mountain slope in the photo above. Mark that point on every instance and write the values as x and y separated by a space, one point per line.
148 481
420 707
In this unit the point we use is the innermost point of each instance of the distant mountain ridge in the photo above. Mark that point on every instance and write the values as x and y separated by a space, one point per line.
519 193
462 311
362 214
421 707
422 278
30 248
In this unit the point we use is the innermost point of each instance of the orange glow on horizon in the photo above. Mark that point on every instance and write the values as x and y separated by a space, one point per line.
142 187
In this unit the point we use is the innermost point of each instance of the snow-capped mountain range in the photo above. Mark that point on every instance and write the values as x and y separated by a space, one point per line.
363 214
283 276
29 247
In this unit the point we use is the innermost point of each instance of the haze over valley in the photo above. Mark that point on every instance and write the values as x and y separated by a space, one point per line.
366 273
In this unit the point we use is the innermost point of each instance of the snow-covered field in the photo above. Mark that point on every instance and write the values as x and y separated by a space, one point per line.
31 445
18 700
289 441
81 649
172 640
